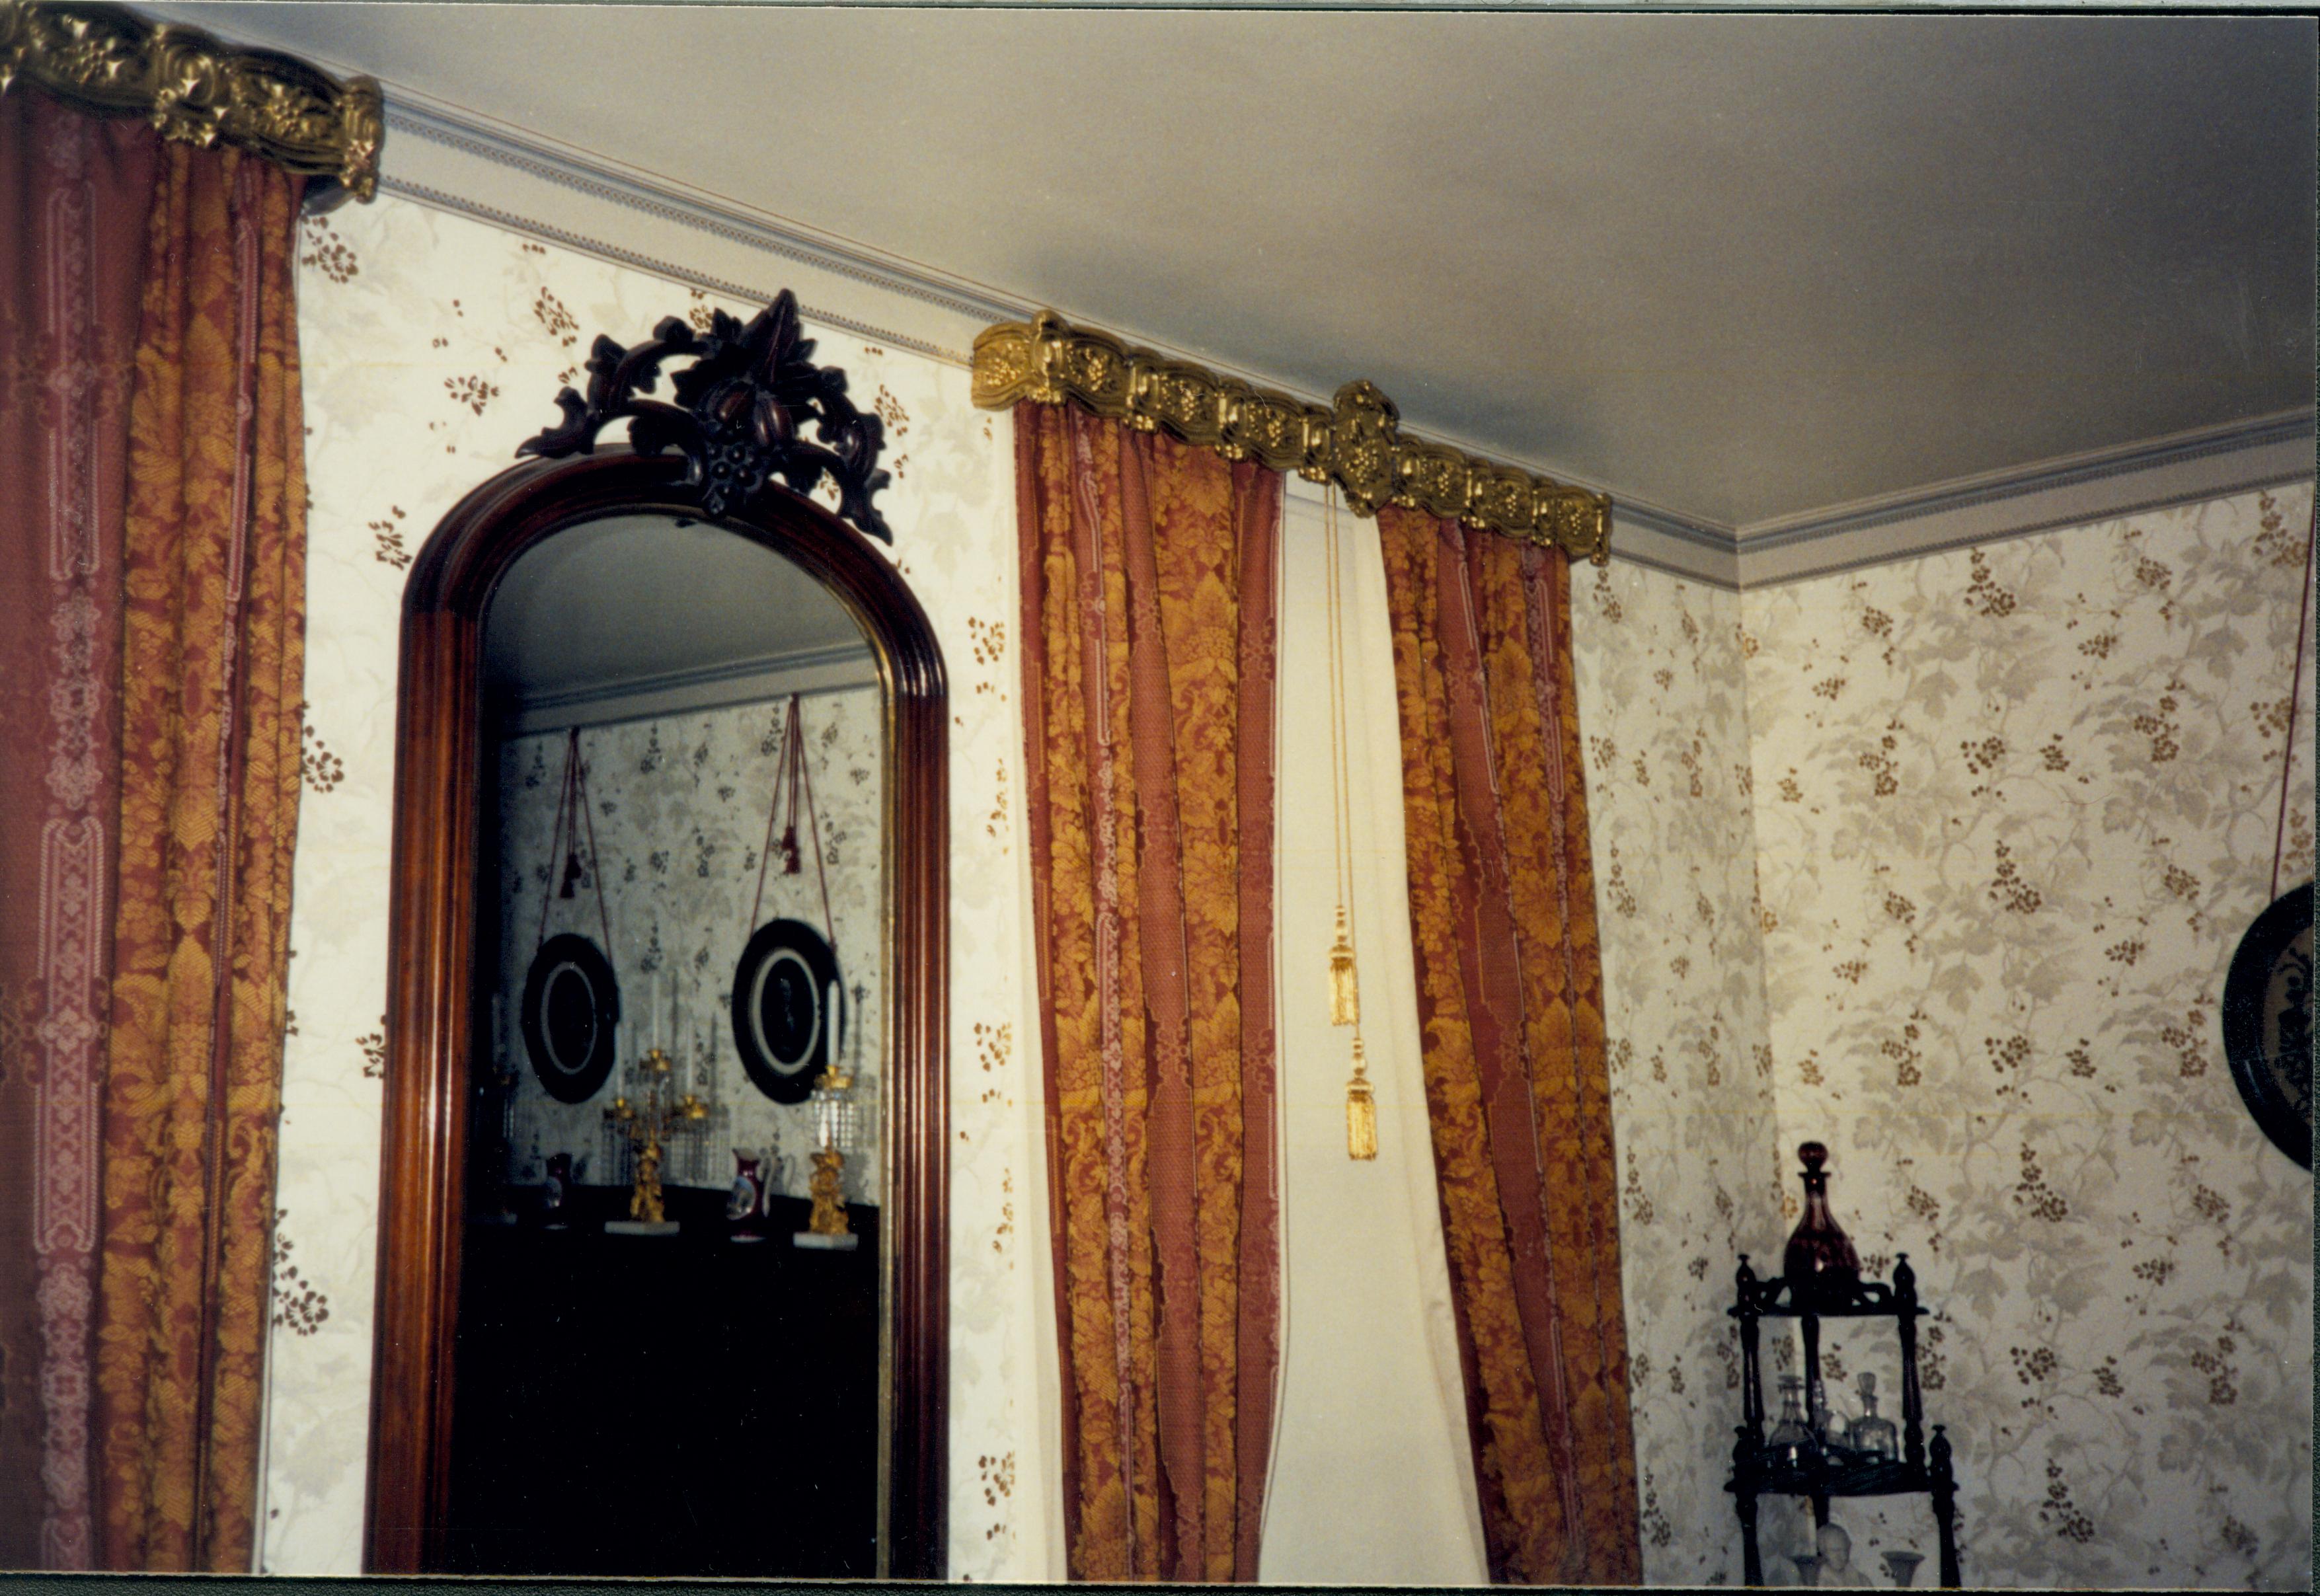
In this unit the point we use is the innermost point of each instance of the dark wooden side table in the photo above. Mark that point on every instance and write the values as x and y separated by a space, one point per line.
1921 1468
675 1406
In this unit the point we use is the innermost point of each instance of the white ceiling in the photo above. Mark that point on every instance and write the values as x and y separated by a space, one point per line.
1740 266
633 598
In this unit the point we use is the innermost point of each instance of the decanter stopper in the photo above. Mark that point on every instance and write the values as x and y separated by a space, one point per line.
1820 1263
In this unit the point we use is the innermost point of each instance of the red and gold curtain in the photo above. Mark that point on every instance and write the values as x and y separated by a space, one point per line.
153 551
74 198
213 651
1510 978
1149 572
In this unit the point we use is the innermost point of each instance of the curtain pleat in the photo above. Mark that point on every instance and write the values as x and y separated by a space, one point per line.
213 658
1510 978
74 194
1149 574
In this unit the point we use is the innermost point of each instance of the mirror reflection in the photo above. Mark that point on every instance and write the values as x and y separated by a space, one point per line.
669 1338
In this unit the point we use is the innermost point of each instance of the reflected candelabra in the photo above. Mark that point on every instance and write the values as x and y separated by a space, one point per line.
648 1124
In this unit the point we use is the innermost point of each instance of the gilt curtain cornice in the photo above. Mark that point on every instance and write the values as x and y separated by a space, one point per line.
1357 444
196 89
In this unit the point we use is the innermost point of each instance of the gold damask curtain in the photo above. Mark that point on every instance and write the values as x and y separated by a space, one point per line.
1510 978
153 420
1150 572
213 652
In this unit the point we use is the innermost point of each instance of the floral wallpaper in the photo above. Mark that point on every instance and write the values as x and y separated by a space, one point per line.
433 344
680 813
1661 706
2014 807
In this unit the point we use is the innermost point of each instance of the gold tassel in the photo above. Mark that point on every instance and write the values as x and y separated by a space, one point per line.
1345 986
1361 1110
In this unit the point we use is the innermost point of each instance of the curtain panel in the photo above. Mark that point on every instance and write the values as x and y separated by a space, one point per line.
74 194
1150 577
152 538
212 662
1509 992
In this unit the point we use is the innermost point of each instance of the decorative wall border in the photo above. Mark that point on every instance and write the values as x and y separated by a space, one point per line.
1357 444
199 89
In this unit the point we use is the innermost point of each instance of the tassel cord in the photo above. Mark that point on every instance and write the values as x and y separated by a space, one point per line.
1344 977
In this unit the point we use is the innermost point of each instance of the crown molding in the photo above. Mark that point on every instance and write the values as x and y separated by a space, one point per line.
808 671
1677 544
2046 496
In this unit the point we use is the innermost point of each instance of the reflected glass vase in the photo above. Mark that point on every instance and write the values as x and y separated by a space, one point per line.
745 1201
1873 1433
1821 1266
1903 1567
1791 1445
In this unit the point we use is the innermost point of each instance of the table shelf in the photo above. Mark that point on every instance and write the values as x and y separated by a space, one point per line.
1925 1466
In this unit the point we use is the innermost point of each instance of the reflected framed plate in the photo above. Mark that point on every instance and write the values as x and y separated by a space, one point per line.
571 1004
782 1024
2267 1016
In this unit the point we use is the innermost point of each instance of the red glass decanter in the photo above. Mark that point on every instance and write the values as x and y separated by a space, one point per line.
1820 1263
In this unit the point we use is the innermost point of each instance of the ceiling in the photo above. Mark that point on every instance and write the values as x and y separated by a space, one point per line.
1737 266
637 599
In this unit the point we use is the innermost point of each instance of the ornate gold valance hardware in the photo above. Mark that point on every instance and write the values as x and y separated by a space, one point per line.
1357 444
199 89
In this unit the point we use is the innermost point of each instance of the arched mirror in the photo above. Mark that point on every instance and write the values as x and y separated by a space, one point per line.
662 1221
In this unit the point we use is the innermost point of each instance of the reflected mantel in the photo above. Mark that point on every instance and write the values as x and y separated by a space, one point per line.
197 90
1357 444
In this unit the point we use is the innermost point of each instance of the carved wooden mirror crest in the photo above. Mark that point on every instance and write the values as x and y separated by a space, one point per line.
696 534
737 414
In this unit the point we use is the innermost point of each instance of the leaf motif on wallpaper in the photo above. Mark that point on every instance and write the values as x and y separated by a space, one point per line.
388 534
298 1306
560 324
474 392
320 768
323 250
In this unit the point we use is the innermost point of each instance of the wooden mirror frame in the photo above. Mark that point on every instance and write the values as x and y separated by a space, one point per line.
432 940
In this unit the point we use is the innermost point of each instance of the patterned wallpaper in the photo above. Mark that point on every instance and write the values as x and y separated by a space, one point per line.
680 808
2015 805
432 346
1668 783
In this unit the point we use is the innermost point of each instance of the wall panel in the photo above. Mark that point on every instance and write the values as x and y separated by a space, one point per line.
2016 805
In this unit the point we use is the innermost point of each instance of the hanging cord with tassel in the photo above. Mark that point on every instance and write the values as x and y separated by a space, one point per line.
1345 978
2295 697
571 814
793 787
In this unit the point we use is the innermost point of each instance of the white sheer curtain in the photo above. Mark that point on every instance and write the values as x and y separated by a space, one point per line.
1372 1475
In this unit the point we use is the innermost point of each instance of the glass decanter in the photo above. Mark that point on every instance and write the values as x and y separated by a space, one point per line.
1827 1422
1819 1261
1873 1433
1791 1445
